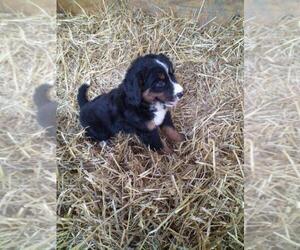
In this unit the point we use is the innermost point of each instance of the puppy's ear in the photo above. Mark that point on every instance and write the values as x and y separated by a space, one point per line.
132 86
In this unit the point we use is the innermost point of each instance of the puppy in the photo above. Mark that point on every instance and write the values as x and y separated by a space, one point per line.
139 105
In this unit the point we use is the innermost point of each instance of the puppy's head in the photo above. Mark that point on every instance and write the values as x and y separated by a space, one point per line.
151 78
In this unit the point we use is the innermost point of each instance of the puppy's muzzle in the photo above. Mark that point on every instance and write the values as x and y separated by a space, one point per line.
178 91
176 98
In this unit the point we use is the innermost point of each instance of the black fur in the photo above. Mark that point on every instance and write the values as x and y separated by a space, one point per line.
124 109
81 97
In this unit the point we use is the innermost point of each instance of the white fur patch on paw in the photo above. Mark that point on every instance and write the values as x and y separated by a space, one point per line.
103 143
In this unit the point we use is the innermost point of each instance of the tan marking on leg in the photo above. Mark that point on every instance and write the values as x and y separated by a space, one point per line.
172 134
150 125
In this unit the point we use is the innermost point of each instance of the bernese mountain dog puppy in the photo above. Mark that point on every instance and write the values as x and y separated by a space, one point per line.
139 105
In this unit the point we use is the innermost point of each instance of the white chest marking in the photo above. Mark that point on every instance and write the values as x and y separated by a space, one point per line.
159 113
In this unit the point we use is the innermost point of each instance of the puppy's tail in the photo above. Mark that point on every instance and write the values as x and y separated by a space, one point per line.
81 96
40 96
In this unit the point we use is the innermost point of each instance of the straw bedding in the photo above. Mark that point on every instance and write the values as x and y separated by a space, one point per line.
272 179
27 156
124 196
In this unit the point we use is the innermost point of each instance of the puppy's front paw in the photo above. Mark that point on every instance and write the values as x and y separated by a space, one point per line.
166 149
173 135
180 138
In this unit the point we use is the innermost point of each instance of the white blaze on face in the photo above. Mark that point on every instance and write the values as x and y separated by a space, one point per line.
177 88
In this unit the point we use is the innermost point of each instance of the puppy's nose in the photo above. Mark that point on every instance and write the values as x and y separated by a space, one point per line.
179 95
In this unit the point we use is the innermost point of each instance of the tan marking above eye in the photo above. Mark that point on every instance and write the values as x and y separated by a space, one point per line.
161 76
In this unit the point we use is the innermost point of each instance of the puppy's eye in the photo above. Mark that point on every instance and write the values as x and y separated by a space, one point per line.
161 76
160 84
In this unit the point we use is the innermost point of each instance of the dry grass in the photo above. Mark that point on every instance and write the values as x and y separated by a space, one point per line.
27 157
125 196
272 136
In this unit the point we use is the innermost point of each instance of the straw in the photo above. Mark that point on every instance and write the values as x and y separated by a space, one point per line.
123 196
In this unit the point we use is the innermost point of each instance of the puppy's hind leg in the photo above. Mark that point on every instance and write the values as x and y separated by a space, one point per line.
98 135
